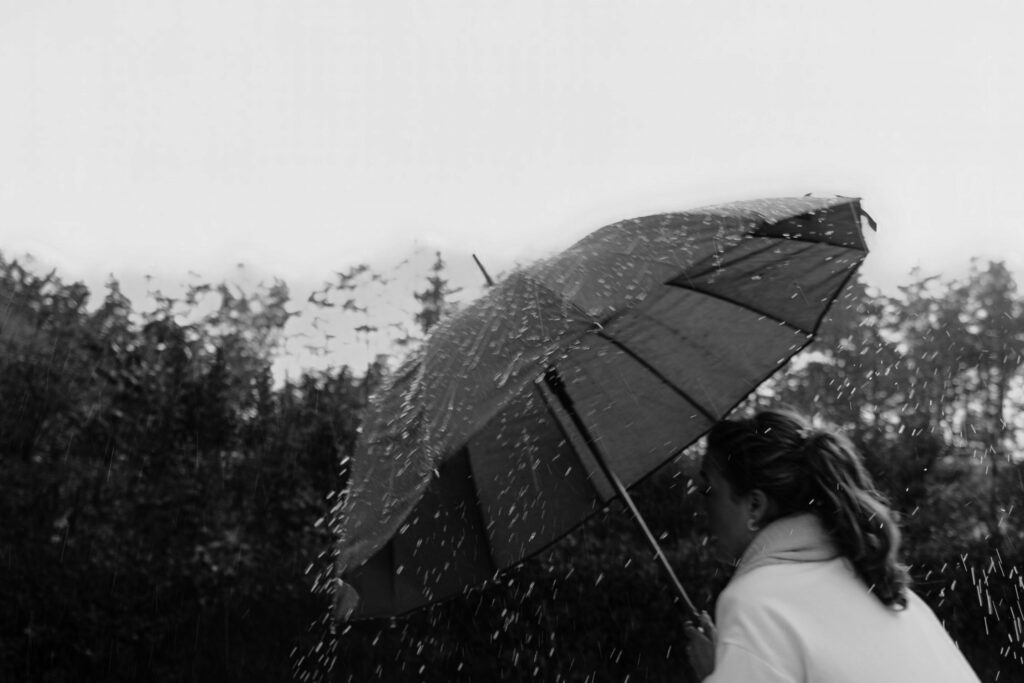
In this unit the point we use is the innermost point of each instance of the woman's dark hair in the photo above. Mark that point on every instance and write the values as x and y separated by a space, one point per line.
800 469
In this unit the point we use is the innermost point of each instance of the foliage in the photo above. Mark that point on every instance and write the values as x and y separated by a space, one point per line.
157 486
160 493
434 299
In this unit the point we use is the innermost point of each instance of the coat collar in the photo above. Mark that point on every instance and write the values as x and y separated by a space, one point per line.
795 538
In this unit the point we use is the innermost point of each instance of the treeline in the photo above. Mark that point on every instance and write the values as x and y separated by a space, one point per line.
158 491
160 494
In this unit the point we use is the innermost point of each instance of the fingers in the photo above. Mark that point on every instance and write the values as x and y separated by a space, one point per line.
693 633
707 625
700 650
704 624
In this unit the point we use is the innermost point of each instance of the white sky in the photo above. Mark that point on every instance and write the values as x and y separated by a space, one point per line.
300 137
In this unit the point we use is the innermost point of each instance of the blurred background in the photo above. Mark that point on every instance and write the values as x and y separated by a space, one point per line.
222 224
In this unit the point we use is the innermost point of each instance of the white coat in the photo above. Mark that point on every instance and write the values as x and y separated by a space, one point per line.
796 612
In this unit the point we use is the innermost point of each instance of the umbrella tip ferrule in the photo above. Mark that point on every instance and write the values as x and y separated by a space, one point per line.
487 277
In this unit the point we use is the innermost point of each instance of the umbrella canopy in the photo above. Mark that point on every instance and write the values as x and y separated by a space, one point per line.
528 411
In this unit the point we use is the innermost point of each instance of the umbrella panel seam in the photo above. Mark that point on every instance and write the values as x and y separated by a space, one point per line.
654 371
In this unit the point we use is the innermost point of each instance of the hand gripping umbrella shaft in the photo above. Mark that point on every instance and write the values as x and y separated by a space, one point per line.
557 387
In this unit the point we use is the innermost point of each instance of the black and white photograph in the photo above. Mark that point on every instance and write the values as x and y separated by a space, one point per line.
567 340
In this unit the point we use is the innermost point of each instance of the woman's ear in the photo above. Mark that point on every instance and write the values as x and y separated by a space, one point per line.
760 508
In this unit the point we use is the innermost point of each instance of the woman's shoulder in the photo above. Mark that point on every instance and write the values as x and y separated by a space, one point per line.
786 587
809 590
794 575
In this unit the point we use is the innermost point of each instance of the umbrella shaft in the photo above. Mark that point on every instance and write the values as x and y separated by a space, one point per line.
557 386
647 532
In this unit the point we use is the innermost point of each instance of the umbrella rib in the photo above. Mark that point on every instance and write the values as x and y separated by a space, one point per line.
771 241
393 575
654 371
480 510
564 432
555 383
740 304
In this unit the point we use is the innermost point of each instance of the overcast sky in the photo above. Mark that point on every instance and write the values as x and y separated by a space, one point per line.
299 138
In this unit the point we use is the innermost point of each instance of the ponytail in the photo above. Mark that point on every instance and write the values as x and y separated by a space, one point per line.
856 515
802 469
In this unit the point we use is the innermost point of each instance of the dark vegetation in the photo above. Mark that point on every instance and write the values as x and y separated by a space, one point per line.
160 492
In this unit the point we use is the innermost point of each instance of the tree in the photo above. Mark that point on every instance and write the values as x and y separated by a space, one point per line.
434 299
993 317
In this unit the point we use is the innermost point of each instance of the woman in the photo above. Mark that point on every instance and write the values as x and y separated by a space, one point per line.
818 593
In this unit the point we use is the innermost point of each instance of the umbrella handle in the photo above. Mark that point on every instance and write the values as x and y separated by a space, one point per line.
557 386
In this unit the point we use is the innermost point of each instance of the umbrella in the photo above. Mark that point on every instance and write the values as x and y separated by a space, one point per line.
570 381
